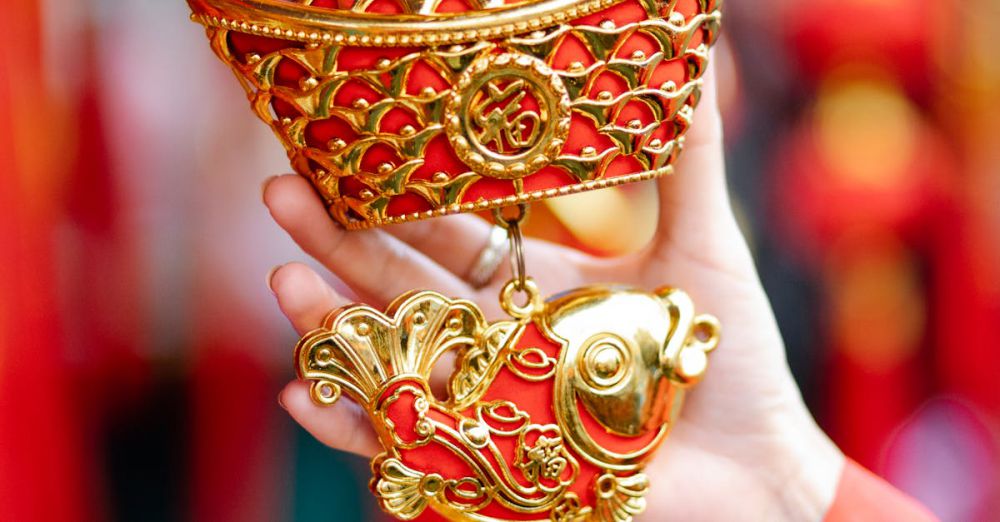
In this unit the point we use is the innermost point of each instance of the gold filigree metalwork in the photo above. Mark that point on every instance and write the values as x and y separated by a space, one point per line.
620 498
487 125
507 126
526 147
613 354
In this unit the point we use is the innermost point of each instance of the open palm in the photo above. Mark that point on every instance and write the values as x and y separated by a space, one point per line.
745 447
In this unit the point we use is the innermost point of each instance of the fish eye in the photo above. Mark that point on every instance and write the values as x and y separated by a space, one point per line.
604 362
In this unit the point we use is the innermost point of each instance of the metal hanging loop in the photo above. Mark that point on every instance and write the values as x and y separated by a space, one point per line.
519 283
513 226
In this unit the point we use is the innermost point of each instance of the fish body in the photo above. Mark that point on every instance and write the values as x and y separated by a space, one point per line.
548 416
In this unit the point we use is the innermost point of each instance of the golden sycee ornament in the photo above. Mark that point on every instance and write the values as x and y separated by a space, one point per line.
398 110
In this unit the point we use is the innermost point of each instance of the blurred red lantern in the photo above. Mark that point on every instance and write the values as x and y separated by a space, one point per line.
863 158
895 35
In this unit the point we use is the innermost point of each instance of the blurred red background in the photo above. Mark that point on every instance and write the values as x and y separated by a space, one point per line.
141 353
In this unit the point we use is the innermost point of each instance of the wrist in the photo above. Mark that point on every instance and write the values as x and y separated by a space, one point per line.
808 468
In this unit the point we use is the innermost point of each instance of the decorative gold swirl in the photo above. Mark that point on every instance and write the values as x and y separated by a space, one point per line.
620 498
361 349
478 365
531 364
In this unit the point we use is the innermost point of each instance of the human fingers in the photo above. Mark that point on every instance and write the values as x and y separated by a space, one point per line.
372 262
343 426
454 242
306 299
303 296
463 243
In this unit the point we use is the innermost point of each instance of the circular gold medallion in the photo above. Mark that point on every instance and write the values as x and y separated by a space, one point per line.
508 115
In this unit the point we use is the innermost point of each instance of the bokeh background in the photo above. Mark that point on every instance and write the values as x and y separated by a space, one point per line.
141 352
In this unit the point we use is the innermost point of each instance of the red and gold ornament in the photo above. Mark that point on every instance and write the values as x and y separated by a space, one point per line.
404 110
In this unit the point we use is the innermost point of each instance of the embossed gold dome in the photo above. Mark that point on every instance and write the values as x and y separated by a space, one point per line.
399 110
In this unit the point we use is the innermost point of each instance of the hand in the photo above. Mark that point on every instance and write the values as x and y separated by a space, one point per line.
745 447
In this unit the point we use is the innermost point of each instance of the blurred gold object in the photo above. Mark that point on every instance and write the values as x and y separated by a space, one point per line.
616 363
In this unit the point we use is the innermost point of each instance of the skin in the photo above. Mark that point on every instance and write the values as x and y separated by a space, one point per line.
745 447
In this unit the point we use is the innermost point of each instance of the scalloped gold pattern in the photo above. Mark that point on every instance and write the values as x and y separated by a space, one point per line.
566 91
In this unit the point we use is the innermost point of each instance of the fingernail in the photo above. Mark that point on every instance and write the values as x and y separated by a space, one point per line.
263 186
270 276
282 402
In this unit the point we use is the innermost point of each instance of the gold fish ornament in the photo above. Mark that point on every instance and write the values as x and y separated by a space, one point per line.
552 413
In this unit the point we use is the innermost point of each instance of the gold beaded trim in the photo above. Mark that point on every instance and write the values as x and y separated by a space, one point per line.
297 22
514 199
